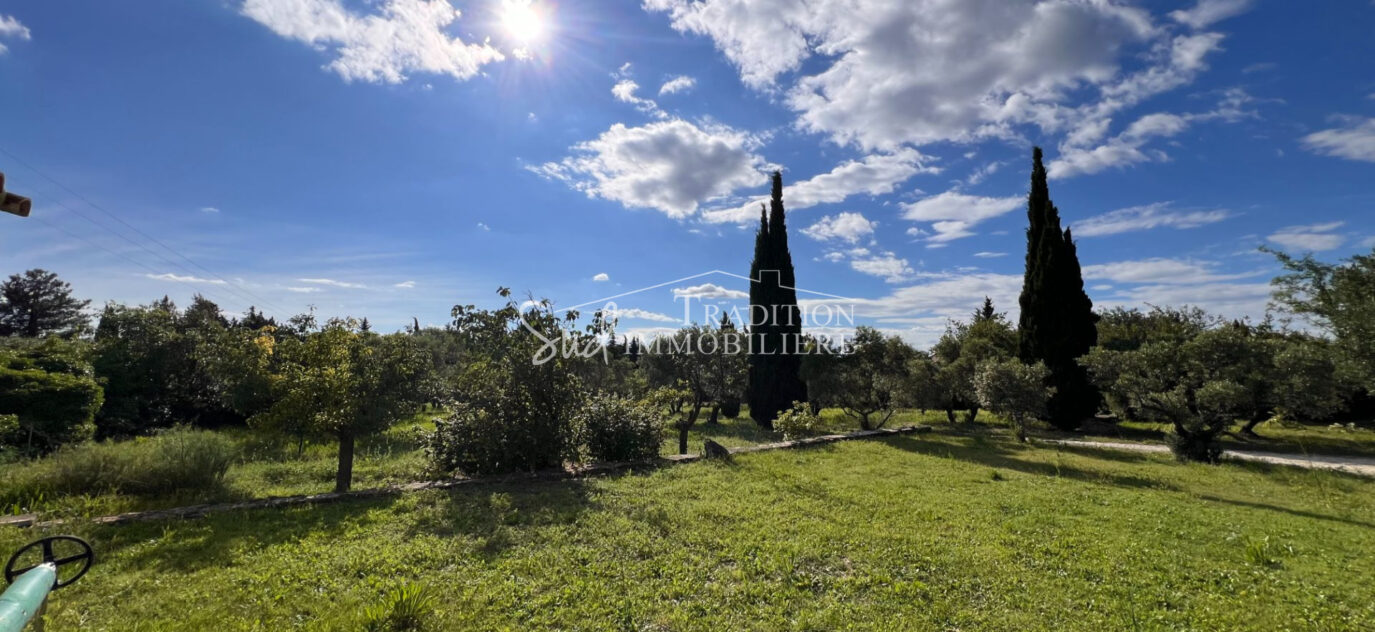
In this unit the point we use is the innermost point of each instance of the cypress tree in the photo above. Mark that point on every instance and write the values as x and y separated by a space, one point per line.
1057 323
775 320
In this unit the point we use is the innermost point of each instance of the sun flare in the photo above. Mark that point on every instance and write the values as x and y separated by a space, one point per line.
523 20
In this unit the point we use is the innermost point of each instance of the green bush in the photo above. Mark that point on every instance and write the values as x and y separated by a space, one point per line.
52 408
178 460
617 429
798 422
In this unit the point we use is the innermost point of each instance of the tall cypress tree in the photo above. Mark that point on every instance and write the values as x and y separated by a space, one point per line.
1057 323
775 320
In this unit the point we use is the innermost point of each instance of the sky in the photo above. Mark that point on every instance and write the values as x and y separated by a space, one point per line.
393 158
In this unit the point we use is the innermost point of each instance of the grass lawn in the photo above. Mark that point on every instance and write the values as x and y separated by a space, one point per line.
932 532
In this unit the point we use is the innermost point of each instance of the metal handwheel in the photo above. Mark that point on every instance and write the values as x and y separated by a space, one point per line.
85 557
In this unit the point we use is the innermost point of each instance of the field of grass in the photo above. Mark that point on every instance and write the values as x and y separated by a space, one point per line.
268 467
930 532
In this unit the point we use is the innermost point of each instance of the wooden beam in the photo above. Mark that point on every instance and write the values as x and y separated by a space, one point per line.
11 203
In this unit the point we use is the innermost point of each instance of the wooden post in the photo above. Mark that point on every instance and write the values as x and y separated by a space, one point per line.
11 203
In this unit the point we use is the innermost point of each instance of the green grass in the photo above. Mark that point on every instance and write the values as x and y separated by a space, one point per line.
930 532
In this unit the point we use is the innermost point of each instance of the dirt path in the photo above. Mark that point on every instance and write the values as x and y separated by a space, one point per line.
1349 464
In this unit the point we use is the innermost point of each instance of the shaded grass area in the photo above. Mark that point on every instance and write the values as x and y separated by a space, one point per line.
930 533
1356 439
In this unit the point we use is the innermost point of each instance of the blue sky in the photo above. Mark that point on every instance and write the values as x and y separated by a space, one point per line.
392 158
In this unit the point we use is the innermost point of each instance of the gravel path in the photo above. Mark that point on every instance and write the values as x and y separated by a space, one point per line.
1349 464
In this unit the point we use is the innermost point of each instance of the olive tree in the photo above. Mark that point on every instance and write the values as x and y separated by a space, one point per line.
866 379
1199 386
1015 390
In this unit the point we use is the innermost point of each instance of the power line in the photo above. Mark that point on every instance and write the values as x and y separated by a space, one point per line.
121 255
240 292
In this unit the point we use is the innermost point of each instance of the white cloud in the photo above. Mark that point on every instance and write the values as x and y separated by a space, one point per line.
955 213
887 266
980 174
209 209
10 27
405 285
1120 151
708 291
484 226
1206 12
1313 237
303 290
681 83
672 166
876 174
634 313
1160 270
977 56
183 279
1145 218
989 255
333 283
624 91
601 276
402 37
1355 140
850 227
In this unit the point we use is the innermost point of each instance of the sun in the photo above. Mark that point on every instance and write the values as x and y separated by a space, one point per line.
523 20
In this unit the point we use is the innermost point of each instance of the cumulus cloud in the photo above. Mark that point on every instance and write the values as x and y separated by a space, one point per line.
848 226
401 37
1145 217
954 214
1354 140
672 166
681 83
1313 237
625 90
601 276
1206 12
333 283
10 27
876 174
886 265
985 63
709 291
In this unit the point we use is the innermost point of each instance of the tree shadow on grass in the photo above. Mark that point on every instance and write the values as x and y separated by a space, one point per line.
1293 512
1005 455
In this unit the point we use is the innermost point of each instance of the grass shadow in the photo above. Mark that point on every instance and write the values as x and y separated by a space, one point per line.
1002 454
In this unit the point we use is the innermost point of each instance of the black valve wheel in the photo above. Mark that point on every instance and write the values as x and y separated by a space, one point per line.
85 557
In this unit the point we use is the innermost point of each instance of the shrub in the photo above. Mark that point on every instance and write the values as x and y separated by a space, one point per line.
402 610
798 422
174 461
617 429
52 408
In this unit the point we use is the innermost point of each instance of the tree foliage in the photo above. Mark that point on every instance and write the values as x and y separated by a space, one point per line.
343 383
37 303
775 325
1014 390
867 380
1339 298
50 394
1057 320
